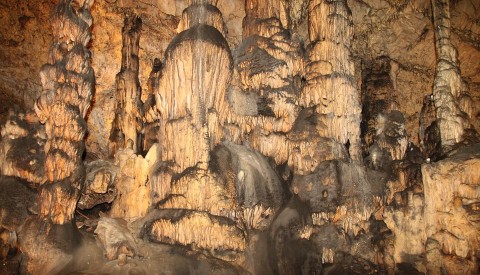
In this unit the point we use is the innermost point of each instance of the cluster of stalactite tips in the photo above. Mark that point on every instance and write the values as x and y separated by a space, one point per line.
266 158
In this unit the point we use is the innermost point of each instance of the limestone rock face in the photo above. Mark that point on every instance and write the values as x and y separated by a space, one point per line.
240 136
451 212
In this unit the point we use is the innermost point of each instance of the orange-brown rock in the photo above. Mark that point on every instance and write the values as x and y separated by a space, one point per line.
68 82
150 114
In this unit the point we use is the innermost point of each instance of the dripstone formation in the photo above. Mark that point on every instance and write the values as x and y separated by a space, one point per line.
243 137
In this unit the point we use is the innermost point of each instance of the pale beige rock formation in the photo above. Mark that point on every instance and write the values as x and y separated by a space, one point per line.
329 74
116 238
189 109
133 183
190 97
449 88
452 193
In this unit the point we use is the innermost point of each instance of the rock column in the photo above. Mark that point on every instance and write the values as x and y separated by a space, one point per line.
331 86
448 87
128 120
68 81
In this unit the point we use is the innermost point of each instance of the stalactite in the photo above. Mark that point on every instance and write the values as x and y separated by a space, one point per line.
128 122
68 82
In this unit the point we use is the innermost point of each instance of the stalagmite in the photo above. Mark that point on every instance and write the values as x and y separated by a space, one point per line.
330 86
190 97
448 86
67 81
188 109
128 122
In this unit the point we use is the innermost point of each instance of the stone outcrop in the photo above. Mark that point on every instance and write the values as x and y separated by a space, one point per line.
451 213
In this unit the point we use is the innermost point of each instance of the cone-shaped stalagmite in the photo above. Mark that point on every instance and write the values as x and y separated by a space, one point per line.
129 112
190 96
191 93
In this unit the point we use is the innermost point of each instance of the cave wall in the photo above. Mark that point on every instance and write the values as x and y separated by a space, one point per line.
347 130
401 31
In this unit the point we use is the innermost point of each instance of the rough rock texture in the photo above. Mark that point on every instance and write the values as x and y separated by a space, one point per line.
240 136
21 148
451 212
128 122
133 183
68 83
448 87
329 73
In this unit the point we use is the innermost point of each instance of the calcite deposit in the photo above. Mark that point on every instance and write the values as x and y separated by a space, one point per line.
240 137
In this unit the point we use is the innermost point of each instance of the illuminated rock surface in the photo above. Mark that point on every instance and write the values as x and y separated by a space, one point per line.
239 137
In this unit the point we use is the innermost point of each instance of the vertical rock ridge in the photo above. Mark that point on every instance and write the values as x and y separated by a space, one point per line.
128 121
